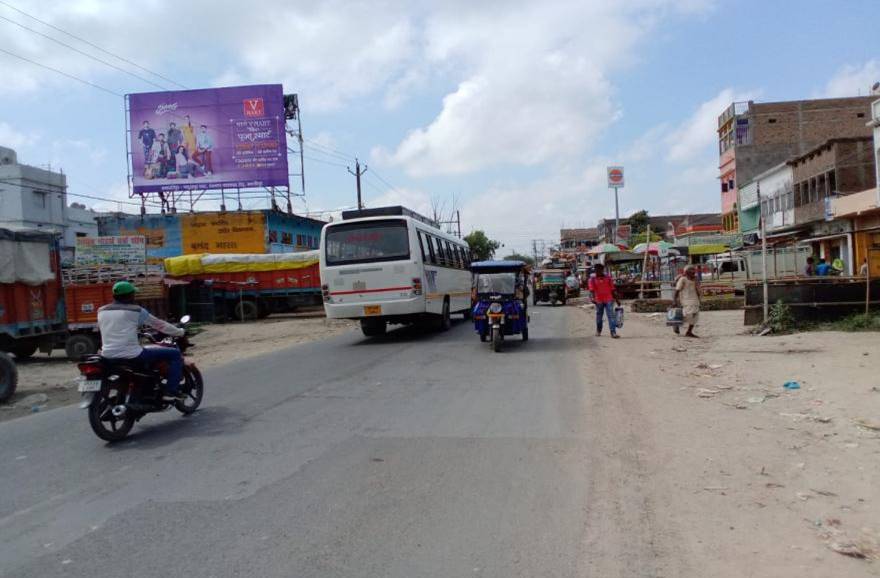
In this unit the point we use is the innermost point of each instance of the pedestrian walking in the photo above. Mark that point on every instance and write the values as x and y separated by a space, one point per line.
604 296
687 296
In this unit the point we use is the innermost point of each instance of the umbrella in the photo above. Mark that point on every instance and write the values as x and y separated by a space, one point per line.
604 248
659 248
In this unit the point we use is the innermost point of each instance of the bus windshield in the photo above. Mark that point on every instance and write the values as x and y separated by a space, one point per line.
504 283
366 242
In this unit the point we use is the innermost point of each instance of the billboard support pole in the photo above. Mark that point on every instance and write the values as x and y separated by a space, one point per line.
222 199
128 160
238 193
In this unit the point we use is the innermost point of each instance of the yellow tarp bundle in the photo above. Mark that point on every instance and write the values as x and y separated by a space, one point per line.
238 263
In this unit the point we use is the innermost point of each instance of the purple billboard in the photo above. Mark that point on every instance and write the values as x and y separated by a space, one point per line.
208 139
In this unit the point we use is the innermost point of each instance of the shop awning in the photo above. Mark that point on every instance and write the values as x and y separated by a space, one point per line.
823 238
707 249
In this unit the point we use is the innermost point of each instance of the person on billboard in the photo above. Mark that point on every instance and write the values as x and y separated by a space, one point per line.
163 156
189 136
204 149
175 137
184 167
146 136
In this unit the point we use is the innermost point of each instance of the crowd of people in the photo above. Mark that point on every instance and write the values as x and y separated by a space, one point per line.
177 153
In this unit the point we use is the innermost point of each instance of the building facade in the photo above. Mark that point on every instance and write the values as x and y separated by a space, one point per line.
36 198
754 137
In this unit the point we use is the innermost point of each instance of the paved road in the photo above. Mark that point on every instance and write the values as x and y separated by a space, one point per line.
411 455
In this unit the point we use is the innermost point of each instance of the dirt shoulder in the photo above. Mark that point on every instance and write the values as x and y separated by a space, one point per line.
707 466
46 382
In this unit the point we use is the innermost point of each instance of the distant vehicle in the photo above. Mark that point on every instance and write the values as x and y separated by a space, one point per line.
550 286
391 265
501 307
109 385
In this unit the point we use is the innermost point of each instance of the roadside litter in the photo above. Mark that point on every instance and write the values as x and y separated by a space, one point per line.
863 423
791 385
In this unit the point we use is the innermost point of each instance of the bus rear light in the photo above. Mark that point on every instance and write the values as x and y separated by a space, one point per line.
417 285
325 291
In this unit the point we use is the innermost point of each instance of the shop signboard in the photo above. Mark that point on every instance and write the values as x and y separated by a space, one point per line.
223 232
112 250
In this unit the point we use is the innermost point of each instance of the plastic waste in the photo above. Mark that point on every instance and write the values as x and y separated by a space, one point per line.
791 385
618 317
675 316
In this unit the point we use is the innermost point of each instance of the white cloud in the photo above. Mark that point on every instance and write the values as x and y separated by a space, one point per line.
852 80
14 138
699 133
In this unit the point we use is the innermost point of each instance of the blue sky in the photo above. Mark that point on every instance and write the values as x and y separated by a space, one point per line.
508 111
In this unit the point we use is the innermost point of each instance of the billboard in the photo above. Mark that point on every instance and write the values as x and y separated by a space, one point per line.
115 250
208 139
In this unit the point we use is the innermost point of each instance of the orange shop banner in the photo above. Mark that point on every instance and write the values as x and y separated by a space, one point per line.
223 233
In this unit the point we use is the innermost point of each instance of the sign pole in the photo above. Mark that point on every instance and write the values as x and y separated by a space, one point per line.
616 216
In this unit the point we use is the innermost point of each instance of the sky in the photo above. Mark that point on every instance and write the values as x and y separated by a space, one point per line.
509 111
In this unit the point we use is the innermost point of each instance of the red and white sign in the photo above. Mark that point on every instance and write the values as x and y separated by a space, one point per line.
615 177
254 107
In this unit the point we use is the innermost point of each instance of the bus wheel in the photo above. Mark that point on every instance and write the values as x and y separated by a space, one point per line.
373 327
445 321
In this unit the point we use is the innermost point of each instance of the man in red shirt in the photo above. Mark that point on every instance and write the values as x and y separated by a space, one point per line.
604 295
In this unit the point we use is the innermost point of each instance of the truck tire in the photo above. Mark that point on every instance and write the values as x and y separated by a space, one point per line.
246 310
79 345
8 377
24 349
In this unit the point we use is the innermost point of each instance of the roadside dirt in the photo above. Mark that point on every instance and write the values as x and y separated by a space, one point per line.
705 465
46 382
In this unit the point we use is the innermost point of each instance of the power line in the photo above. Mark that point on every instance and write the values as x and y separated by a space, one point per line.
93 45
389 185
71 76
328 148
326 162
86 54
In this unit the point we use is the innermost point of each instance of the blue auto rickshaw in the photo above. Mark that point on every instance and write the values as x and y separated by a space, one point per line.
500 301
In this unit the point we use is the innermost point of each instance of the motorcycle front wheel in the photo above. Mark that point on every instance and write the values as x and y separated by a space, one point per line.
105 424
194 387
497 340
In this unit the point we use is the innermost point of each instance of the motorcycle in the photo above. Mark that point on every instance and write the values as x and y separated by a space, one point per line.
119 392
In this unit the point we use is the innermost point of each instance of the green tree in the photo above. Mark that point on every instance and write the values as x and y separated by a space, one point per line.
517 257
640 238
638 223
482 247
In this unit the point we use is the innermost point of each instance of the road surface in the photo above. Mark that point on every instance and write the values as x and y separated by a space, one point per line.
406 456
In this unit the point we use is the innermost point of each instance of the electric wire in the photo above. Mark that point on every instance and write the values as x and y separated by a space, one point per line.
93 45
86 54
61 72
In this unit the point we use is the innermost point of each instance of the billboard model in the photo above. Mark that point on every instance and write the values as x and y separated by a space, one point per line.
208 139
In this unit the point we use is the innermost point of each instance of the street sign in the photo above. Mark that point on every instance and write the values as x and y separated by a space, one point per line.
615 177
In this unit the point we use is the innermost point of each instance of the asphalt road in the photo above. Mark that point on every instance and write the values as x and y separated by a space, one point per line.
407 456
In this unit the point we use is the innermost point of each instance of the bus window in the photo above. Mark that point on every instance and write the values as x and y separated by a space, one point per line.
430 240
459 254
367 242
451 261
422 247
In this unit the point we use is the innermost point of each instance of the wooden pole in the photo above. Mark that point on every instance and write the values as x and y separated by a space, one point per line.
645 262
868 285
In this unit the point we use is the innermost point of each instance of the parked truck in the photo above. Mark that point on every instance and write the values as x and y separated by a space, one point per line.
32 313
243 286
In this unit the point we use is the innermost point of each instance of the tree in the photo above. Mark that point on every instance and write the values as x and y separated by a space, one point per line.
482 247
638 223
640 238
517 257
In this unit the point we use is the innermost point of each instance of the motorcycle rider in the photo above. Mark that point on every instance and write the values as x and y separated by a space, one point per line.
119 323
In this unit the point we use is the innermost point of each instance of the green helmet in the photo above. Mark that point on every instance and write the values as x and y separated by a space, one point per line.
123 288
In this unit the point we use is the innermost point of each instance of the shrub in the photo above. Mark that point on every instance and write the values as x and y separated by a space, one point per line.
780 318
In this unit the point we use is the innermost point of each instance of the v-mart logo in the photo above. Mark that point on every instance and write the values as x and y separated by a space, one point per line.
254 107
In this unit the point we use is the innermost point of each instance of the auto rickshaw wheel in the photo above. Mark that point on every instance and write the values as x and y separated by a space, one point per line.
497 340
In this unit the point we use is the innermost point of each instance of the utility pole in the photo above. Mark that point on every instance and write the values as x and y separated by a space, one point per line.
357 172
766 309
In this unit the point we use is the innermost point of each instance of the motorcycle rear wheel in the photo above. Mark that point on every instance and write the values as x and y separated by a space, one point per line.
105 425
194 387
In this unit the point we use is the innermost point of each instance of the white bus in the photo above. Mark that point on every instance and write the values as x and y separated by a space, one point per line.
391 265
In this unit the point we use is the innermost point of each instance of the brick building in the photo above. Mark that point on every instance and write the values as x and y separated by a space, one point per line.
667 226
578 239
753 137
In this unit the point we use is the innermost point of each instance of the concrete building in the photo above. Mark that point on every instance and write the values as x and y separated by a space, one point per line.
753 137
667 226
578 239
776 202
34 197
